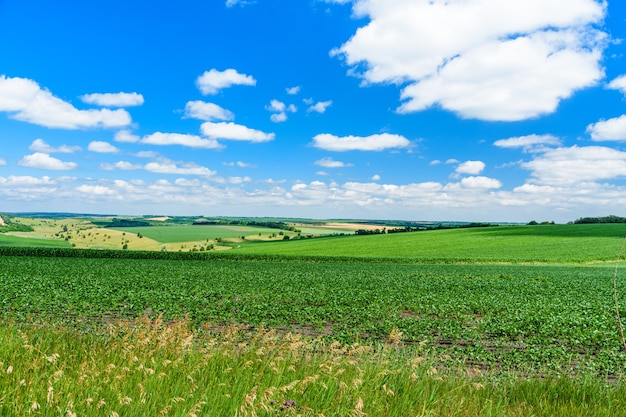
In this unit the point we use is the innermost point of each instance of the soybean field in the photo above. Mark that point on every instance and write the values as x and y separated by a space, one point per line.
522 318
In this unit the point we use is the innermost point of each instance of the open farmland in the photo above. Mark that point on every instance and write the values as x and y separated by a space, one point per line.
16 241
188 233
508 320
531 244
528 317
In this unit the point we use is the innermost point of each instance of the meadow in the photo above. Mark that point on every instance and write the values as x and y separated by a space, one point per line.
508 320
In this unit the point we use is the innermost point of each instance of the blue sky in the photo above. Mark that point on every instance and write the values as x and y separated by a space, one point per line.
468 110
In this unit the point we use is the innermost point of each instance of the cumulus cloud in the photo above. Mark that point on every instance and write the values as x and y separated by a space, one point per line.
278 117
320 106
378 142
102 147
480 182
169 167
292 91
239 164
97 190
528 141
331 163
207 111
2 162
44 161
376 177
500 60
280 110
39 145
211 82
232 3
619 84
191 141
120 165
471 167
113 99
567 166
232 131
126 136
26 101
26 180
611 129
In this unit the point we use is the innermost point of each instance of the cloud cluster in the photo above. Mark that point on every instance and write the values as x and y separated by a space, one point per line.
502 60
528 142
211 82
279 110
113 99
26 101
41 160
207 111
377 142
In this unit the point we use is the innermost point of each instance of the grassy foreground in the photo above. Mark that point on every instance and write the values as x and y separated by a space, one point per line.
151 368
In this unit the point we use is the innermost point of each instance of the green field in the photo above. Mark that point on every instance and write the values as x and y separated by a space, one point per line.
502 321
14 241
549 243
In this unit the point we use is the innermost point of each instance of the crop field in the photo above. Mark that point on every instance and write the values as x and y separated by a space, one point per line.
507 320
15 241
530 244
532 318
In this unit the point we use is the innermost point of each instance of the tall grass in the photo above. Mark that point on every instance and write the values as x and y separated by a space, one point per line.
152 368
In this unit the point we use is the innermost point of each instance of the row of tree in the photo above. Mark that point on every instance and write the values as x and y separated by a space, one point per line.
605 219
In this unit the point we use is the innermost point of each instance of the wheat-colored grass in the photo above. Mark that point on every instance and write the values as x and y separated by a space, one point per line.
152 368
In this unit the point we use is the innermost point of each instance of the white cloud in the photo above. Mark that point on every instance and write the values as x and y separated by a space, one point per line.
191 141
39 145
292 91
232 131
486 59
2 162
26 180
612 129
331 163
376 177
26 101
102 147
480 183
97 190
232 3
280 110
146 154
528 141
121 165
320 106
573 165
239 164
113 99
471 167
211 82
169 167
126 136
45 161
207 111
278 117
619 84
276 106
378 142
